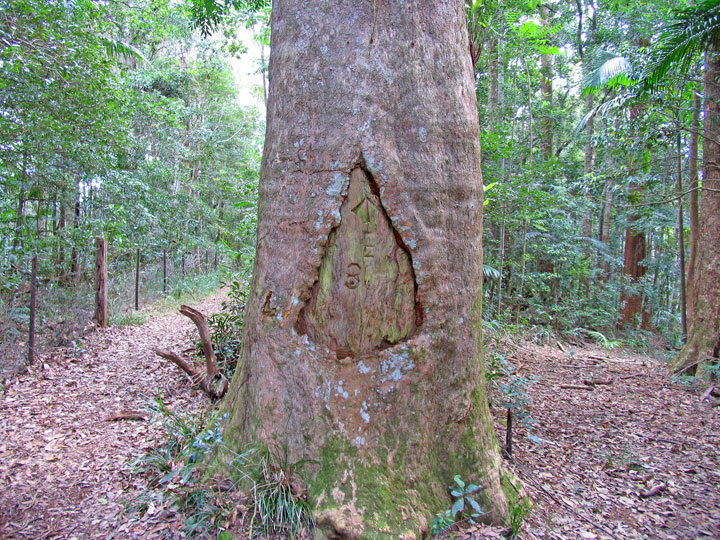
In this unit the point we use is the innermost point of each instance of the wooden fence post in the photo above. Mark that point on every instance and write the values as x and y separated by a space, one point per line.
137 279
33 301
101 284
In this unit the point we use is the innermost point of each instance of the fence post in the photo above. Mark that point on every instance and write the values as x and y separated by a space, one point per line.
33 301
137 279
101 284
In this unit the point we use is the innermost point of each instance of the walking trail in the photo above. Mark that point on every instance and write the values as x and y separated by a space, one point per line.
64 466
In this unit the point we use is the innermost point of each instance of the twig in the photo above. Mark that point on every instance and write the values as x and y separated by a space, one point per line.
626 377
707 392
576 387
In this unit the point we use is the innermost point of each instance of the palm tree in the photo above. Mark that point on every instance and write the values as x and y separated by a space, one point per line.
696 30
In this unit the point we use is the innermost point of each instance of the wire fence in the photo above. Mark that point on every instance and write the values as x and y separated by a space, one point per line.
65 303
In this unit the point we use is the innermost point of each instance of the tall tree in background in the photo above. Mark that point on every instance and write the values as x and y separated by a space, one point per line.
696 30
362 340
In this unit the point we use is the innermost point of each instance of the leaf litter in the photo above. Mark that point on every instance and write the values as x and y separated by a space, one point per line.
622 452
72 425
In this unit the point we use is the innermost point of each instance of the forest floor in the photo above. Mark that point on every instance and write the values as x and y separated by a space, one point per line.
631 455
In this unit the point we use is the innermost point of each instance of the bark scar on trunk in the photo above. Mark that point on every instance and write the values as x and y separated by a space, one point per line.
365 296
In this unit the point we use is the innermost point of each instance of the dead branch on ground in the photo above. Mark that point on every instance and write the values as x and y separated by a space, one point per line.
212 381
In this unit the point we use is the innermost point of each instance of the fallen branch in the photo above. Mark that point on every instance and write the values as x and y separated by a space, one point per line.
212 381
576 387
708 392
126 415
204 330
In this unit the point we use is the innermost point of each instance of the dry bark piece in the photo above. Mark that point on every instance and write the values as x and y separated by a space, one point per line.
655 490
126 415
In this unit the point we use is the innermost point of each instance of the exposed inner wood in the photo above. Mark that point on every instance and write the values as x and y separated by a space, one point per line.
364 298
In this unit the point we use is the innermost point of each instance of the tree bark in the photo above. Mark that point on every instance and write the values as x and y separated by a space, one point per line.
681 241
101 285
362 347
694 201
546 76
703 343
33 306
634 313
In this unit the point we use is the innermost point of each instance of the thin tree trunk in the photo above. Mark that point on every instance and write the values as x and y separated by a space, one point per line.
75 257
164 271
33 305
502 261
137 279
694 200
546 76
681 240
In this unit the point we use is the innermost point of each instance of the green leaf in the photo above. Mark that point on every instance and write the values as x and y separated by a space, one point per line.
456 492
474 504
459 481
457 507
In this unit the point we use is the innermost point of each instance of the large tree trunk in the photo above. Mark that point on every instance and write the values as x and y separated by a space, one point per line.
703 343
634 313
362 341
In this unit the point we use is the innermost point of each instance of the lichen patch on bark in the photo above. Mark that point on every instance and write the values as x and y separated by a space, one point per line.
364 297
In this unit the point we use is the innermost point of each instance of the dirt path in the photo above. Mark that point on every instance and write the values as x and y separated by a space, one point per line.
635 458
64 469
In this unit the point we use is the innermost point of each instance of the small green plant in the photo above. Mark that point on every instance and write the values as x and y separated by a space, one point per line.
272 484
597 337
226 327
465 505
442 522
280 496
514 396
517 513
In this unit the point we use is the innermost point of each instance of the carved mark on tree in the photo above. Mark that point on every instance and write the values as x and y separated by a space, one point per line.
364 298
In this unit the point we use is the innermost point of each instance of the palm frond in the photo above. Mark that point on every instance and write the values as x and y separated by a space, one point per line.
611 71
116 49
695 29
